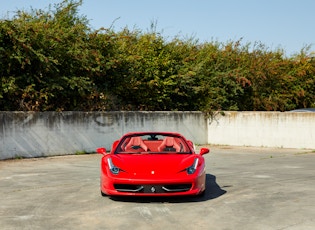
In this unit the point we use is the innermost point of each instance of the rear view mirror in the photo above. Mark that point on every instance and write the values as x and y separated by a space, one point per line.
204 151
101 151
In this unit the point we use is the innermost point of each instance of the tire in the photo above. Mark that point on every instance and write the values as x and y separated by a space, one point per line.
103 194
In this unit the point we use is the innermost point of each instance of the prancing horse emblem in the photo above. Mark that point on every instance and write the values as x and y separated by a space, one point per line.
152 189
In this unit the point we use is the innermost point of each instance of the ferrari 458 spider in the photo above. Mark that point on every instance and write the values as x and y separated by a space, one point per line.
152 164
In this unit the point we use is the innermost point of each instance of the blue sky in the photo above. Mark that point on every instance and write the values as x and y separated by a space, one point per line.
286 24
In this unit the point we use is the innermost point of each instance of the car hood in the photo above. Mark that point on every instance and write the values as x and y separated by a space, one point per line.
152 165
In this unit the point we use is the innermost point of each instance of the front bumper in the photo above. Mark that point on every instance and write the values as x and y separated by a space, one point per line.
171 187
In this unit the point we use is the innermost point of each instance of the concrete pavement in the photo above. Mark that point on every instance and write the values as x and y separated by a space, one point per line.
247 188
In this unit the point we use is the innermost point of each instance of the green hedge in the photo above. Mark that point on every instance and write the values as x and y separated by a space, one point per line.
53 61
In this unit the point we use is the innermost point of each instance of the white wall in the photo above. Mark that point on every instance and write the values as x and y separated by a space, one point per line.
34 134
267 129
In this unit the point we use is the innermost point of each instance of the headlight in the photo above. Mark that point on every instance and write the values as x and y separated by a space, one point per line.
193 167
114 170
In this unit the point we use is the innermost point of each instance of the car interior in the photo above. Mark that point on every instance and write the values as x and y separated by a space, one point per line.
153 143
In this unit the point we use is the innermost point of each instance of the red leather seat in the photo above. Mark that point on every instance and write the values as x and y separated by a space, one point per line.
169 144
136 144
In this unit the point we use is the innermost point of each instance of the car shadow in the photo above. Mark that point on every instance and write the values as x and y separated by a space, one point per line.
213 191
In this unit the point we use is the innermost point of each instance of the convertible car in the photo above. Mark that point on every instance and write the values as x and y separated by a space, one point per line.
152 164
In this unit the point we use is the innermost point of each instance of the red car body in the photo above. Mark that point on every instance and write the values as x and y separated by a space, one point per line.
152 164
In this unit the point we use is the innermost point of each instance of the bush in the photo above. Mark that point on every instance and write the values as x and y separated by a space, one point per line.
53 61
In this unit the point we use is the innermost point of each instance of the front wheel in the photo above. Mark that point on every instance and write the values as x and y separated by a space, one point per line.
103 194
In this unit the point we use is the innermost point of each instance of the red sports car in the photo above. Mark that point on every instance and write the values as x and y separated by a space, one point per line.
152 164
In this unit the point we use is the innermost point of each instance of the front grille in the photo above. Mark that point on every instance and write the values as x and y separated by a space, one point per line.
177 187
169 188
128 188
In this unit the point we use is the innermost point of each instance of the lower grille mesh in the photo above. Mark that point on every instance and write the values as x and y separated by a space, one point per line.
168 188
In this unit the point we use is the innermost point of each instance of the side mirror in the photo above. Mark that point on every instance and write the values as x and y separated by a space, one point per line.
101 151
204 151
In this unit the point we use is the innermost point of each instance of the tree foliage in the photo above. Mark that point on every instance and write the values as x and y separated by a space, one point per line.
53 61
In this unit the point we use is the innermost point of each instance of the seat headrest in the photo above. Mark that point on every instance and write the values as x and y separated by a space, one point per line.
169 141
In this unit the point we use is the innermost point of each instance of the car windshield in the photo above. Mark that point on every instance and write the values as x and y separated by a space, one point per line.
153 143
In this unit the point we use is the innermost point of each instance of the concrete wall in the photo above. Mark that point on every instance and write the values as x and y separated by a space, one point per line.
267 129
34 134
